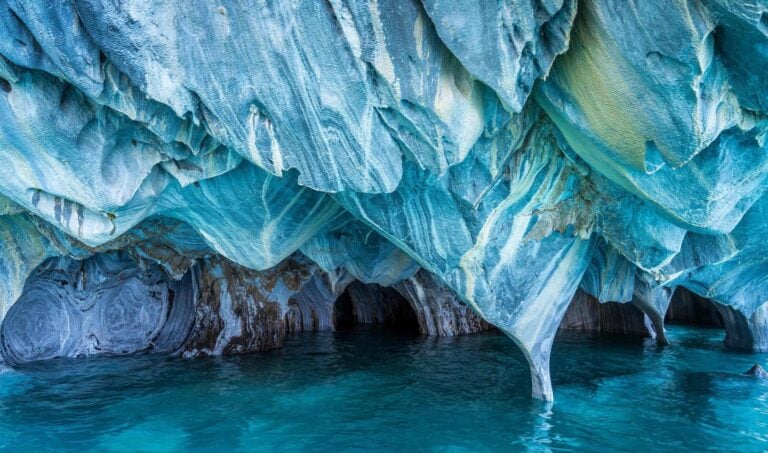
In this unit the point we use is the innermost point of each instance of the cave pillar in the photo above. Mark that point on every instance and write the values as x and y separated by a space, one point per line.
541 381
538 315
653 299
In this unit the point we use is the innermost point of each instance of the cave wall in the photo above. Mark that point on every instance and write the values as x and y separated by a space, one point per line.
104 305
438 309
587 314
688 308
745 333
114 304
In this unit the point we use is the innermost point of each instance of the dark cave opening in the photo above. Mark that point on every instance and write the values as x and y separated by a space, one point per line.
344 312
587 315
372 305
744 329
688 308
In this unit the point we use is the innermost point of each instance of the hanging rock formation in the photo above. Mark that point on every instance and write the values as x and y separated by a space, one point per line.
501 155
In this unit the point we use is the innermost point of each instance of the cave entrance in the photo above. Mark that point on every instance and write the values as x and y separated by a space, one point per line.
372 305
344 312
586 314
743 331
688 308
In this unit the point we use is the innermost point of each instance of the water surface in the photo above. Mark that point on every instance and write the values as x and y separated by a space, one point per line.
378 390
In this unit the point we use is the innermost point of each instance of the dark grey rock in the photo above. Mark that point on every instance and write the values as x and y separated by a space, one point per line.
757 371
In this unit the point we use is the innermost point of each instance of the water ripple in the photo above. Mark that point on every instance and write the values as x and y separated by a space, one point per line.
376 390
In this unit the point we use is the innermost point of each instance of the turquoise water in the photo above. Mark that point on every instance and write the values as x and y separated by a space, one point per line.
370 389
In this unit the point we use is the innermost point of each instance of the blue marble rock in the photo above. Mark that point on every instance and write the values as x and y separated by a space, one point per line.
116 303
102 305
487 162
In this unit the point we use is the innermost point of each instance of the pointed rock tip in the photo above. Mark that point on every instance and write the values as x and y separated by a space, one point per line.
757 371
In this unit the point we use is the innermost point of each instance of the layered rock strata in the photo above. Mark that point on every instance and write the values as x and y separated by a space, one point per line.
111 304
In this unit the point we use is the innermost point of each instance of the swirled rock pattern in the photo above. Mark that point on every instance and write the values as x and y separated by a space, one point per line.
102 305
499 156
115 303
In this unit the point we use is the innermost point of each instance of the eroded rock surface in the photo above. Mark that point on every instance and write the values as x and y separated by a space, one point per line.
104 305
437 308
587 314
115 304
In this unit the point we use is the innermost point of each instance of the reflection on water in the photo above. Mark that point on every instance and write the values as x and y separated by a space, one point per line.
372 389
